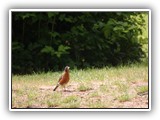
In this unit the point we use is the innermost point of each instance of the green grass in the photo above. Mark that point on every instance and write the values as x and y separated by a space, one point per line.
124 97
103 88
89 88
71 101
142 89
83 87
94 94
97 104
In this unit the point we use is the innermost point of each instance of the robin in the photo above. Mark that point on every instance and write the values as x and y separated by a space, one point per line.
64 79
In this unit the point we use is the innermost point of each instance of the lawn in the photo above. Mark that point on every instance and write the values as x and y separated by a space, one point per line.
108 87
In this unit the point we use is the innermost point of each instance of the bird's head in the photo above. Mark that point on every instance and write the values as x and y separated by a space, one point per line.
66 68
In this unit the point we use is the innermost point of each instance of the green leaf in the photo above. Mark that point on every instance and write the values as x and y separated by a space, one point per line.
108 28
16 46
62 50
27 15
51 14
48 50
62 17
54 34
69 19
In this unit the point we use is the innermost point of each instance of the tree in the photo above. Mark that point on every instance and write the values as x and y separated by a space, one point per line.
43 41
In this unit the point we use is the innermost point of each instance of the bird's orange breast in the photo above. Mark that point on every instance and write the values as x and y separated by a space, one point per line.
65 78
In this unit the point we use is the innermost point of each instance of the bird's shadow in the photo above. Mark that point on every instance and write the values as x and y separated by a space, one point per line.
68 90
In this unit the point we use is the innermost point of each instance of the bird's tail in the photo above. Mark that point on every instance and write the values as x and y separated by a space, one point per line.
56 87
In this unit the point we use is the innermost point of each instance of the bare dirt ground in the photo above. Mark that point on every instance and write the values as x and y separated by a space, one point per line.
139 100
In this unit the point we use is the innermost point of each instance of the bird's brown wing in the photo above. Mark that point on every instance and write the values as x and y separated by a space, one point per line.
60 78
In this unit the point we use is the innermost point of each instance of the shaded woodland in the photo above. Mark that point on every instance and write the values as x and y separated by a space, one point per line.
48 41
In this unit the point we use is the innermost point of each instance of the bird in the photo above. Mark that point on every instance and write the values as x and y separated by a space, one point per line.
64 79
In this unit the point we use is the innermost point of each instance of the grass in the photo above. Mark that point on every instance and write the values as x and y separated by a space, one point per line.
124 97
142 89
71 101
89 88
83 87
103 88
94 94
97 104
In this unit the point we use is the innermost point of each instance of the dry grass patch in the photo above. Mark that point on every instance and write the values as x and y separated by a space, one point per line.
91 88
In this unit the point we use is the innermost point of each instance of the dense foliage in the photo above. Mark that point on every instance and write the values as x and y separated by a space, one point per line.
43 41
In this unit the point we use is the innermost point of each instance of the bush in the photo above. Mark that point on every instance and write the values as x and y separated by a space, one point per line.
46 41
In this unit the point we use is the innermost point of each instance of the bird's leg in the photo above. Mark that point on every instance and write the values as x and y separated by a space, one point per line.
64 88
